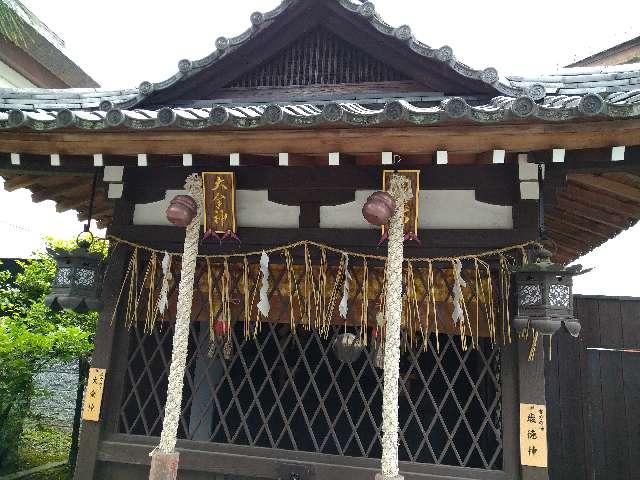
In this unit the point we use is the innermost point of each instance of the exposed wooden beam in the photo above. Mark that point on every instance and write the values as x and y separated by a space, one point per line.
592 213
603 201
492 183
402 139
562 217
19 181
604 184
567 254
628 178
578 243
576 233
67 191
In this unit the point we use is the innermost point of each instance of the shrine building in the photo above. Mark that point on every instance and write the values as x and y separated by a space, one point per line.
290 127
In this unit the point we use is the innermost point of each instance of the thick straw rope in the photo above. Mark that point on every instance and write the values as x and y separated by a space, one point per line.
183 318
327 248
400 190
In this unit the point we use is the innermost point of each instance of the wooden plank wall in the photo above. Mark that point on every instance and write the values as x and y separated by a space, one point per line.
593 393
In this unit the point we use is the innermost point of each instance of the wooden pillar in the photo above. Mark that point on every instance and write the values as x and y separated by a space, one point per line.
105 333
532 391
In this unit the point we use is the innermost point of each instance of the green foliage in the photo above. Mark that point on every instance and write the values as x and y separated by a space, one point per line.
41 444
33 336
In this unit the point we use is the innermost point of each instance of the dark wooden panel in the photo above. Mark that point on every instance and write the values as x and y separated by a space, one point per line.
571 394
264 463
590 320
580 310
630 312
557 467
616 446
610 314
493 184
631 376
598 454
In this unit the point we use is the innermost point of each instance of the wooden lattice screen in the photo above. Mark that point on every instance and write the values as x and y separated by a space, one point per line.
318 58
286 389
291 392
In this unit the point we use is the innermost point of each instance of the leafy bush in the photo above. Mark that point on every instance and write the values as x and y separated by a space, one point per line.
32 336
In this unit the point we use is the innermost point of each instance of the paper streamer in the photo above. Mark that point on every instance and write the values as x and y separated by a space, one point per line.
263 304
163 299
458 285
344 305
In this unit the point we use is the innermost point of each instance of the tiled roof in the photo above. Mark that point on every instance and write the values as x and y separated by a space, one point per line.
552 108
566 94
61 98
583 80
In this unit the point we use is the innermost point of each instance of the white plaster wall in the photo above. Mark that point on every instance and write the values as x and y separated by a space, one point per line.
460 209
253 210
9 78
454 209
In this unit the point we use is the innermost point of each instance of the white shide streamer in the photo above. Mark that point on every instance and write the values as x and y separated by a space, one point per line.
263 305
344 303
458 285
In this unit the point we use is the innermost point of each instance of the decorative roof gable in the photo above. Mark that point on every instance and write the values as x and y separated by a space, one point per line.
319 57
284 46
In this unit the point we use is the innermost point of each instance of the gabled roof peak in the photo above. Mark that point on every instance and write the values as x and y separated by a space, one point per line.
261 21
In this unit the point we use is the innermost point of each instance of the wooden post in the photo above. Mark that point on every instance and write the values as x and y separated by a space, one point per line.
532 391
83 373
164 466
90 431
105 333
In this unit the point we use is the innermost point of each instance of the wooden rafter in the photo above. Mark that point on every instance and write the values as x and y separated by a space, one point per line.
591 212
604 184
562 217
16 182
604 201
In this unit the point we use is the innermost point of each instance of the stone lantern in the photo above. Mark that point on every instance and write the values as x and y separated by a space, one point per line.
544 296
77 285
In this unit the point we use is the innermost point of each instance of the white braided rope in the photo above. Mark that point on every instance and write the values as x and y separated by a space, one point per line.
400 190
183 318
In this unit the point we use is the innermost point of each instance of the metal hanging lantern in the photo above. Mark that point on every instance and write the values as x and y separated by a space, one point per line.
77 285
347 347
545 297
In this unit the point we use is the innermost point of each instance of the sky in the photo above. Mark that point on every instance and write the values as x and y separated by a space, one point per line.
122 43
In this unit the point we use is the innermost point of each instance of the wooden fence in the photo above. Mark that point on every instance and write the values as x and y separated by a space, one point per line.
593 393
